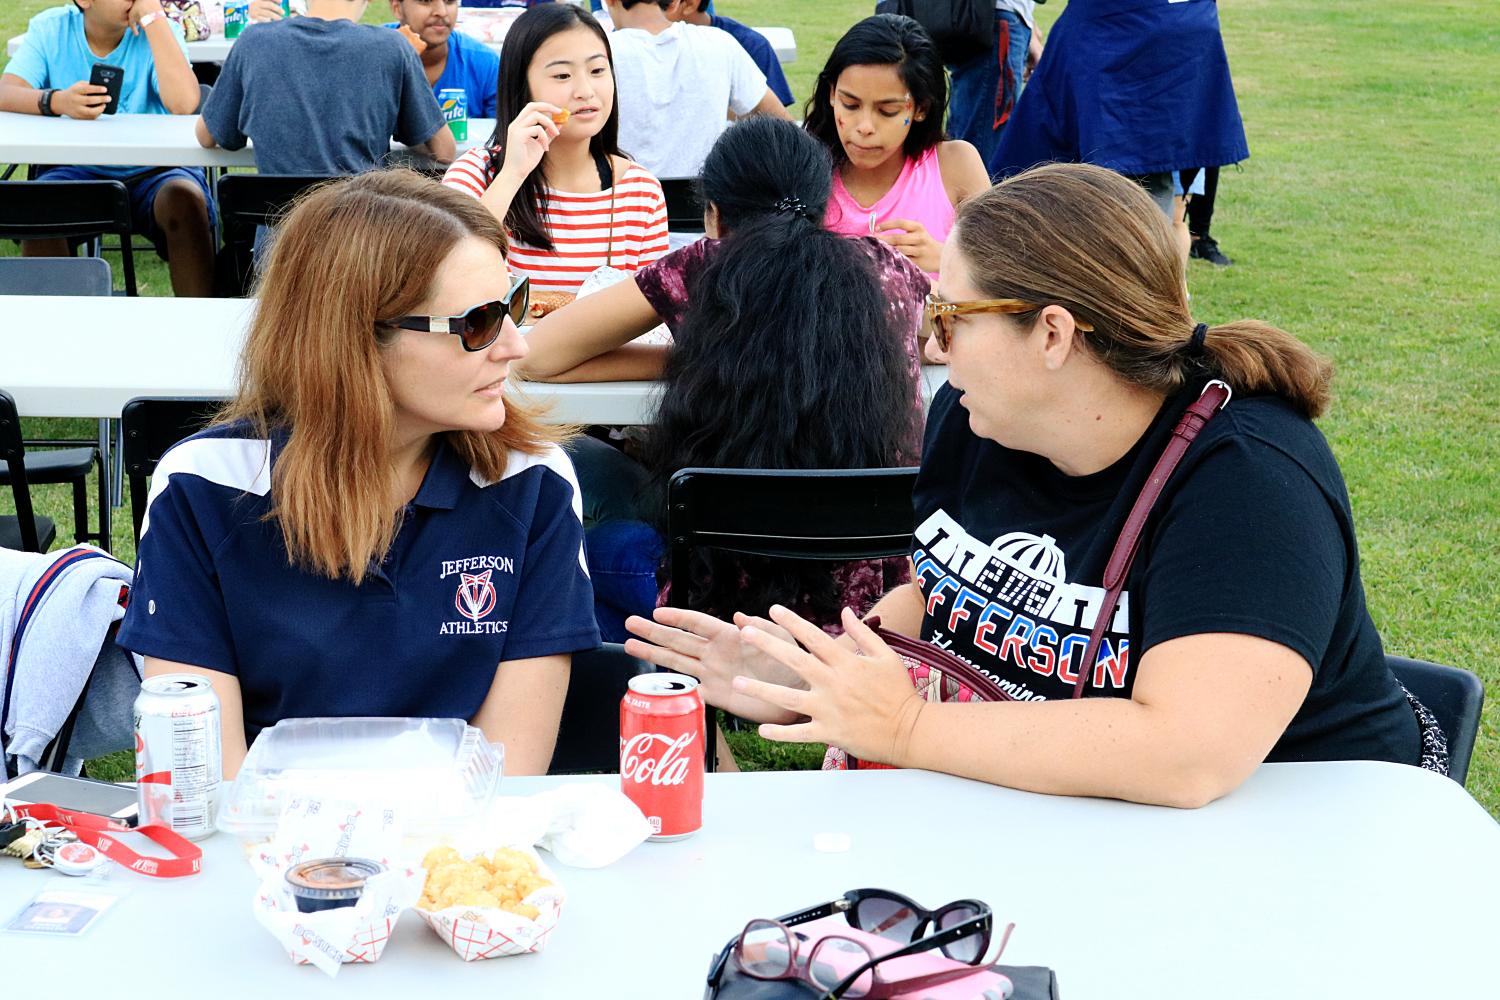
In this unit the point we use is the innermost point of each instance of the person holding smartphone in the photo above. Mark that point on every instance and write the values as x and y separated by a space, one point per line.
64 68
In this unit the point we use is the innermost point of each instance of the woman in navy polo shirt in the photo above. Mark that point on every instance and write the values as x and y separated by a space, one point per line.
370 528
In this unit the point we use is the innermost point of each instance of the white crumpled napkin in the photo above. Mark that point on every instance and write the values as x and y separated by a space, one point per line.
604 276
582 825
313 827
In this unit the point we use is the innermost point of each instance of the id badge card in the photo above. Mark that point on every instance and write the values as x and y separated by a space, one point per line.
63 911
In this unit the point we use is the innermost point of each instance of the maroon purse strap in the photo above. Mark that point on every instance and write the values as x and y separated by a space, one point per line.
1215 395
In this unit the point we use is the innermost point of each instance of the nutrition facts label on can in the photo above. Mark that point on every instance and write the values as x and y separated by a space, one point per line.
195 769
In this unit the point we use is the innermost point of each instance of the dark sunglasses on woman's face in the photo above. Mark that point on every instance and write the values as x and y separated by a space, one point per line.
479 327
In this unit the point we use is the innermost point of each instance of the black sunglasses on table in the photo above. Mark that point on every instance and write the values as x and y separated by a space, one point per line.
901 918
478 327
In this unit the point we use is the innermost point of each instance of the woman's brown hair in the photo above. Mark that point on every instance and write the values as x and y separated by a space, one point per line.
1088 239
349 255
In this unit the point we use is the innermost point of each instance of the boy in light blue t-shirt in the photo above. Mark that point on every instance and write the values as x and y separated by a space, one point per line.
49 76
450 59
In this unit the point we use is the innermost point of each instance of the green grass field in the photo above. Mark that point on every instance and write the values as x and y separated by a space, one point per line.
1365 222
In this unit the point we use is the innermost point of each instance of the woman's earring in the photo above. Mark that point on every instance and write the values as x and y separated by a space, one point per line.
906 121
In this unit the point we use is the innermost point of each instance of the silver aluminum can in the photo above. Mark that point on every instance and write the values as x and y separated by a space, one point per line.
179 767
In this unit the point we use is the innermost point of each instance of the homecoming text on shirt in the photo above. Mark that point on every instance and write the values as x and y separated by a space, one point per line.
1012 600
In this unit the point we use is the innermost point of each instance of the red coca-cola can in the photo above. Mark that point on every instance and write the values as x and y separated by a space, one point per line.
662 733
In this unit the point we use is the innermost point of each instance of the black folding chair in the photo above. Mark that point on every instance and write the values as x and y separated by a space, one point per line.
1455 696
824 514
25 530
588 737
150 426
71 210
247 202
684 209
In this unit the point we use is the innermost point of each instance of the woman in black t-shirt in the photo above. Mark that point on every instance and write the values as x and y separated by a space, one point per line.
1242 635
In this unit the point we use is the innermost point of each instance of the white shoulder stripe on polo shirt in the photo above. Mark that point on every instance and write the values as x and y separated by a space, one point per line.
243 464
552 457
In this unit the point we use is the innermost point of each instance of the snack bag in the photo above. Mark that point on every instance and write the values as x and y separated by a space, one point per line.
190 16
490 905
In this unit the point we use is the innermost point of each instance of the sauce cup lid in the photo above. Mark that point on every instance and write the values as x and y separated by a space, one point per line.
331 878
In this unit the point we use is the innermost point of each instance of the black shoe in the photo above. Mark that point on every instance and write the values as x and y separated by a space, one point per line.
1207 248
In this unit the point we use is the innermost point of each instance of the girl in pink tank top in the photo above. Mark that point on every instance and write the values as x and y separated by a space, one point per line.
878 106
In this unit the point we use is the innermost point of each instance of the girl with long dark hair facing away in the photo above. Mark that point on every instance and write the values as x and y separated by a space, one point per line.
1242 634
878 106
553 172
794 348
370 527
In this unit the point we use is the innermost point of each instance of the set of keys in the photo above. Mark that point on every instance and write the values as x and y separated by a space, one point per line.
41 846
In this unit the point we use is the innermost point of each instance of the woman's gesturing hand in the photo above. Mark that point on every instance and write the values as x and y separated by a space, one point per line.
711 650
862 701
527 138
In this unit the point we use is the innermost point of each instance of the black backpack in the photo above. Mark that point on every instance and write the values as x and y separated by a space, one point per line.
962 29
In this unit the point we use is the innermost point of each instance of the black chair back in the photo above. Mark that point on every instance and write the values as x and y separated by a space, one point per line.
73 210
588 737
247 202
151 425
1455 696
24 531
830 514
834 514
684 210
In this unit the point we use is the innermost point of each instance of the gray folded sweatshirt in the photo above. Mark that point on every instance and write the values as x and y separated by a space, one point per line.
52 642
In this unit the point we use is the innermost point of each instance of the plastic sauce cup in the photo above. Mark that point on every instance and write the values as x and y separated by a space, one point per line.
330 883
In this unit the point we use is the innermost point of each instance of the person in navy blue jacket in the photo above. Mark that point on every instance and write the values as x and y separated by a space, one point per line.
1141 87
371 528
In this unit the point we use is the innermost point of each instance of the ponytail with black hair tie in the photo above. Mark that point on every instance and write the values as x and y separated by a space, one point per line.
1194 345
793 204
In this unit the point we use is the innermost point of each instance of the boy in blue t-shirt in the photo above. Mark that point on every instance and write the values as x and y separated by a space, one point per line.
49 76
449 58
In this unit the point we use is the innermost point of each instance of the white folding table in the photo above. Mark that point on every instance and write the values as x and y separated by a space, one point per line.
1311 881
67 356
140 141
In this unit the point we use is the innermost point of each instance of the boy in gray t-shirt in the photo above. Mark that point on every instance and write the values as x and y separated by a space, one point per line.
323 95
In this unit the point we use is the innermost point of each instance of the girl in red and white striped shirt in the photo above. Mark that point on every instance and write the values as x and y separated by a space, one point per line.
570 200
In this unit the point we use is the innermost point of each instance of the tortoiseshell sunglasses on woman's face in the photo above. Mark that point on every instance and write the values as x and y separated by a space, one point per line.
939 314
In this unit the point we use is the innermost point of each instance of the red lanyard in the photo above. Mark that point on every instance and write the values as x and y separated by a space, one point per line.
186 859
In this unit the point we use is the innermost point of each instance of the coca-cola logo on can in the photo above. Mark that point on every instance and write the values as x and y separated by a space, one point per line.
656 758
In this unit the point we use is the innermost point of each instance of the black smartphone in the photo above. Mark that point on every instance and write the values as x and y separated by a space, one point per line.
100 798
110 78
